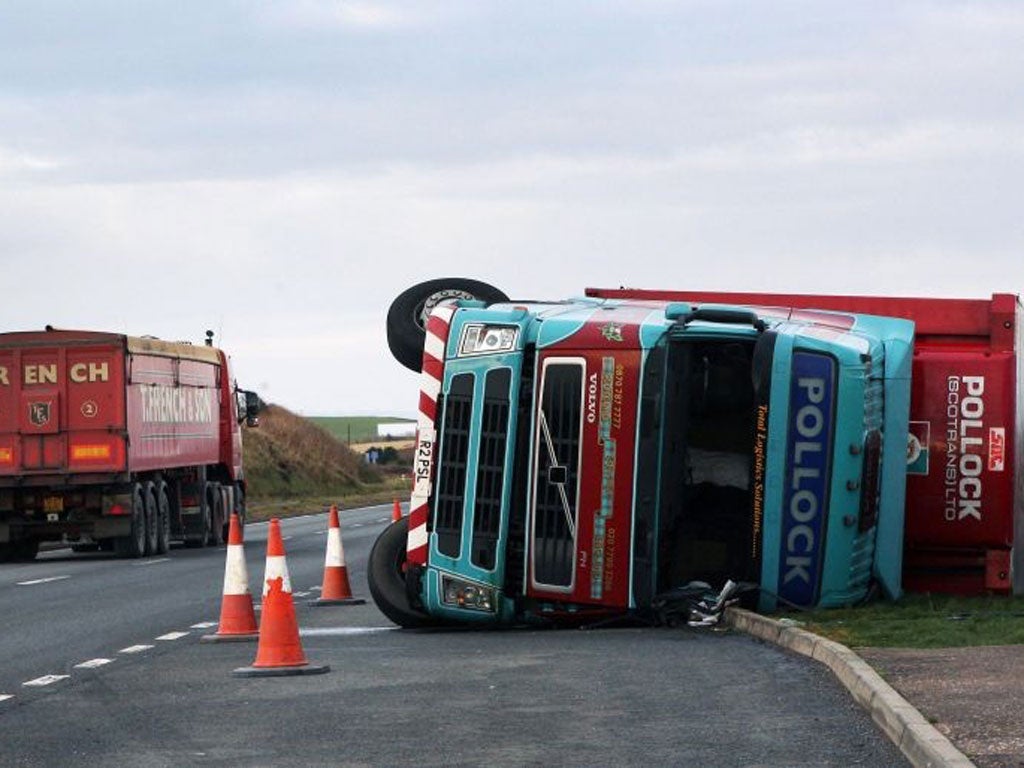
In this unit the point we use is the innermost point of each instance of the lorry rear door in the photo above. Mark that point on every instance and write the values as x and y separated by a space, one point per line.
61 404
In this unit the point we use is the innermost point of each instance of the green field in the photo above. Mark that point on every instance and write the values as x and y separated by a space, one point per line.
354 429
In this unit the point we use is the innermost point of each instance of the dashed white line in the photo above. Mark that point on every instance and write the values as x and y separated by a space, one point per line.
356 525
135 649
300 594
204 625
39 682
6 696
93 663
152 562
316 589
381 520
286 538
47 580
172 636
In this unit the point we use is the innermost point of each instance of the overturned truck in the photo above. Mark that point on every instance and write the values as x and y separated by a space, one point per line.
583 459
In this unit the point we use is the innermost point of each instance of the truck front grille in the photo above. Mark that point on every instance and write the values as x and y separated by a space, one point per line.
557 466
491 467
451 480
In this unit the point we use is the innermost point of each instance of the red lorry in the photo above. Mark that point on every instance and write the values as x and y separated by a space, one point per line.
117 442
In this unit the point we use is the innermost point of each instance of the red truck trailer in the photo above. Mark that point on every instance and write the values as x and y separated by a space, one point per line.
117 442
964 526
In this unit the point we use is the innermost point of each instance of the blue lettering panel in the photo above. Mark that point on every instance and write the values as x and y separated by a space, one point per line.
808 460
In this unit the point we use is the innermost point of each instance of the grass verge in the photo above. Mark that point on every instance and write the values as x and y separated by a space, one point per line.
923 621
303 504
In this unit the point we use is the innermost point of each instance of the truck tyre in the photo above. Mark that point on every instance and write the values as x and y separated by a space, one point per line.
19 551
385 573
134 544
163 519
216 503
152 518
407 317
240 504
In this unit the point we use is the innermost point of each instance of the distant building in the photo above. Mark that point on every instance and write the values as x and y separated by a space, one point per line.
397 429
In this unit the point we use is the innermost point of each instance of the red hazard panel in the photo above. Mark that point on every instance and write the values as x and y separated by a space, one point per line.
960 454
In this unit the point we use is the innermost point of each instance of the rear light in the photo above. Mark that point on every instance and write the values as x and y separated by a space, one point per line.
90 452
6 455
117 509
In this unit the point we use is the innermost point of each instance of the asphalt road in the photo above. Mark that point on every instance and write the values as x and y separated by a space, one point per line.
149 695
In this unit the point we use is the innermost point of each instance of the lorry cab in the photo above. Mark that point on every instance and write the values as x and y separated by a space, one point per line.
581 458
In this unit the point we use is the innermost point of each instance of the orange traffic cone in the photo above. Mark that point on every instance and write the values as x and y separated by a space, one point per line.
396 512
279 651
237 618
335 590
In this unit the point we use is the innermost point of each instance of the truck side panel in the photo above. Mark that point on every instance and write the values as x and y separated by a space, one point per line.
173 413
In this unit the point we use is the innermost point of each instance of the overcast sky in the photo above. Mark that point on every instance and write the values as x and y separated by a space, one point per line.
278 171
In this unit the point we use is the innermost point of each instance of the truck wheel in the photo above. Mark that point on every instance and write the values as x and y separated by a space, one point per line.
407 317
240 504
385 574
19 551
216 504
152 518
163 519
134 544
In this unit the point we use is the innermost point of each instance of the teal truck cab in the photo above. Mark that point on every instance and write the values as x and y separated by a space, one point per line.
581 459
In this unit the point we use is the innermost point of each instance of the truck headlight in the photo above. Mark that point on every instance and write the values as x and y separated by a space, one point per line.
480 339
463 594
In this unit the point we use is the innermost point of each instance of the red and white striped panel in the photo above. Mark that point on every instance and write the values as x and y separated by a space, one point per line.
431 376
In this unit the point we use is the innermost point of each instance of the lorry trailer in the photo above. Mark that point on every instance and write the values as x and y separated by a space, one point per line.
586 458
117 442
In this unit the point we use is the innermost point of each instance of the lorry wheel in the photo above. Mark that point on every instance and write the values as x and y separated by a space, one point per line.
240 504
163 519
216 505
385 574
19 551
134 544
152 518
407 317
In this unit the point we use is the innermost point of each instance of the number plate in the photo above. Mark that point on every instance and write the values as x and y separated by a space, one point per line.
423 462
53 504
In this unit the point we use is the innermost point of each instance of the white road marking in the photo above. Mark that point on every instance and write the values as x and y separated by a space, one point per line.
152 562
343 631
135 649
6 696
47 580
286 538
39 682
316 589
172 635
92 663
321 533
381 520
300 594
204 625
356 525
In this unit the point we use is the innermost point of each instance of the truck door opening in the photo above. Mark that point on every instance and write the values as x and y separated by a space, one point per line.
705 514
